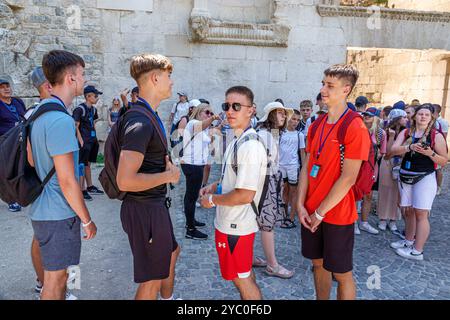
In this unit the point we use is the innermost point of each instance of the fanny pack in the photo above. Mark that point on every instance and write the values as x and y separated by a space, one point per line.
412 178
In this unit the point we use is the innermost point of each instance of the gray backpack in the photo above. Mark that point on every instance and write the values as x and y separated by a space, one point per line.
270 209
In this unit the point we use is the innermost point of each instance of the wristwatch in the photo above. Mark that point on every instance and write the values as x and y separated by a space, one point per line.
433 154
211 200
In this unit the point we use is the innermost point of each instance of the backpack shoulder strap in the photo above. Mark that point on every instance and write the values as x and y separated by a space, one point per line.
315 125
154 123
342 131
83 109
47 107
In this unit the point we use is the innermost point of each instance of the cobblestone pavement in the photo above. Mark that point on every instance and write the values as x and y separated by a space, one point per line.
106 264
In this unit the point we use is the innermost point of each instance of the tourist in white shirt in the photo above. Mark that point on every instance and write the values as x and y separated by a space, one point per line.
235 221
179 109
195 153
292 155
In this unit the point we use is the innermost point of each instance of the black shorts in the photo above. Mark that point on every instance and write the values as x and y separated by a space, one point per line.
150 233
332 243
89 152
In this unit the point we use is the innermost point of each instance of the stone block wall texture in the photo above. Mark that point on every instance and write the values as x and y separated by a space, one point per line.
107 39
425 5
390 75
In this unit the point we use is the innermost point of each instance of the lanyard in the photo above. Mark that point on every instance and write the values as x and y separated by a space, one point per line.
322 144
12 109
153 112
234 150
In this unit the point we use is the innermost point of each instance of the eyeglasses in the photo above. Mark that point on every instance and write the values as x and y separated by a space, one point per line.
209 113
236 106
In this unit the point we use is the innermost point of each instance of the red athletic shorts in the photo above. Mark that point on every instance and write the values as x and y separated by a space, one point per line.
235 255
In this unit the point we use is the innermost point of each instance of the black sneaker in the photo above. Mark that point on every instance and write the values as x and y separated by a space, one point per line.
198 224
87 196
94 190
195 234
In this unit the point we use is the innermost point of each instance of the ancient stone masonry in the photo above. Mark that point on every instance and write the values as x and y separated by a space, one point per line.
326 10
208 30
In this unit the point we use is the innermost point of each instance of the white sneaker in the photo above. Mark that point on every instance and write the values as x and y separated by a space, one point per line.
70 296
401 244
357 228
409 254
393 226
365 226
382 225
439 190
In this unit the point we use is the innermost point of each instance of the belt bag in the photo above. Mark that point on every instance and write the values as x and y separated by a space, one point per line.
409 178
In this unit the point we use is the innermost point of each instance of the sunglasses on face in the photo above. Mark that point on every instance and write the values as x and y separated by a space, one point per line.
209 113
236 106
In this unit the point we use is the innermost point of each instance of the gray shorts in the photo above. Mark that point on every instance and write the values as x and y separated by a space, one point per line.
59 241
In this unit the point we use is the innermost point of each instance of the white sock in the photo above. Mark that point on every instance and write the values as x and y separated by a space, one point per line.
415 251
365 223
409 243
170 298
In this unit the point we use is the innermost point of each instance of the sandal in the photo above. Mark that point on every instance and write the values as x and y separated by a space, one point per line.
279 271
259 262
288 224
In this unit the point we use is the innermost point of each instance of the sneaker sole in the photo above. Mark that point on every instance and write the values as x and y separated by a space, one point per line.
194 238
369 231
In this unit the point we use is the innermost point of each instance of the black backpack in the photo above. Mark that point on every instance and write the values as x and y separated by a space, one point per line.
108 175
19 181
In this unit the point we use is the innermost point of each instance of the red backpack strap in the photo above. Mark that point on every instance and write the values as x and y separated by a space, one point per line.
315 125
345 124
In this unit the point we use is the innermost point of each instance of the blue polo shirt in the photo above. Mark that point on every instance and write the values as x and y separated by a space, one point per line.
52 134
11 114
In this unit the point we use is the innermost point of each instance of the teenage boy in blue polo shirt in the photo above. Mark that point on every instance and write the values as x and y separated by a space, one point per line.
12 111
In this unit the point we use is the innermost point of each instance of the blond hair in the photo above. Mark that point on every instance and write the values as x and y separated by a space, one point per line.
344 71
144 63
199 109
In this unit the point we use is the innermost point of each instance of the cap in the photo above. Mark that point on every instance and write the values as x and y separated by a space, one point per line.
91 89
5 79
194 103
135 90
371 112
396 113
37 77
399 105
361 101
204 101
182 93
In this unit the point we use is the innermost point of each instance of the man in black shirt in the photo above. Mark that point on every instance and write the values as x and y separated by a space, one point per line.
143 172
85 116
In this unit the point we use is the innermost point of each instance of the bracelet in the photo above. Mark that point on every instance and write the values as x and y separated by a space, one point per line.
409 147
211 201
84 225
318 216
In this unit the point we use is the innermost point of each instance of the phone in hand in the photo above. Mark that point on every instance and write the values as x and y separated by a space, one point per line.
425 145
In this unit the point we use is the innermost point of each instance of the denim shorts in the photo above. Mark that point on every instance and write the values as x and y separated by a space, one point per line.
59 242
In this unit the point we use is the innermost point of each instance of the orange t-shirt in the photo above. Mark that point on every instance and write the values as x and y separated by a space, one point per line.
357 144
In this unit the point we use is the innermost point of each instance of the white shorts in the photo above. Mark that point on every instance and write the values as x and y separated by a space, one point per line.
290 174
420 195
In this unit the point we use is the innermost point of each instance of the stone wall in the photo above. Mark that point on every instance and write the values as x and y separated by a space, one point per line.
284 45
389 75
425 5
